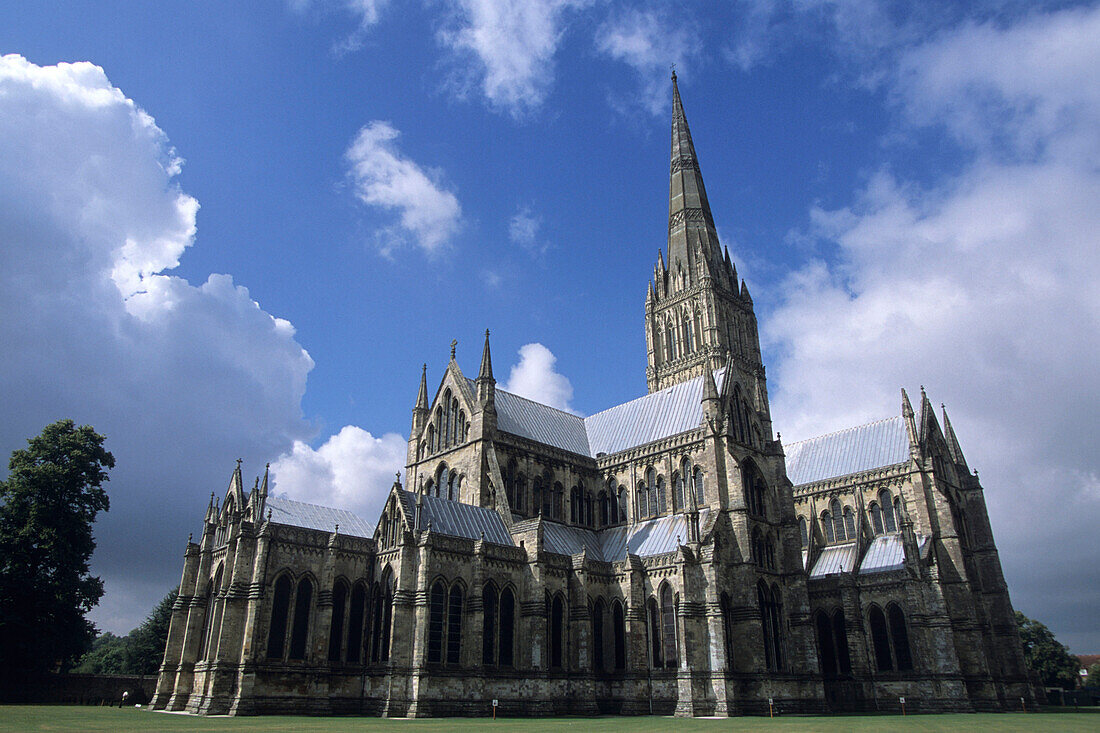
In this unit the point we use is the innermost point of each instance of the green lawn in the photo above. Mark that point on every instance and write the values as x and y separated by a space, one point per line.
113 720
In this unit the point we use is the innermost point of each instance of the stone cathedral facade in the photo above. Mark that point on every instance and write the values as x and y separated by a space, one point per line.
667 555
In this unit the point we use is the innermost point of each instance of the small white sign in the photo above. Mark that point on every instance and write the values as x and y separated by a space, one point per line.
770 701
494 703
901 700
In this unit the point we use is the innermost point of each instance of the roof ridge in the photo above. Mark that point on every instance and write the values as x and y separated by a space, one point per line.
279 497
660 391
536 402
788 446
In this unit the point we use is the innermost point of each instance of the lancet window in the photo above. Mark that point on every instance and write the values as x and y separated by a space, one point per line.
445 624
771 619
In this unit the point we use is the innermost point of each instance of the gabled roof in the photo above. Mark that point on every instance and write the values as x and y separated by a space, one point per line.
312 516
612 544
662 414
541 423
884 553
456 519
854 450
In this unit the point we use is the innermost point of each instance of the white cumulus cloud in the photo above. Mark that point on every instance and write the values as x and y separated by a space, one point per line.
383 177
512 44
351 470
536 378
523 229
985 286
648 41
182 379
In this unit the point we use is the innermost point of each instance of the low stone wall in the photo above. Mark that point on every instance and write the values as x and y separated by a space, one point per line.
80 689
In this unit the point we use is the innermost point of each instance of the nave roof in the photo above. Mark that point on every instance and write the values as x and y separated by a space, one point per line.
313 516
670 411
845 452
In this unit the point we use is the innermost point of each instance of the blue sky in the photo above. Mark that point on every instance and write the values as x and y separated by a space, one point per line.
239 229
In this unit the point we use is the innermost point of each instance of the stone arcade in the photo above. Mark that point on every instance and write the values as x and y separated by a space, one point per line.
667 555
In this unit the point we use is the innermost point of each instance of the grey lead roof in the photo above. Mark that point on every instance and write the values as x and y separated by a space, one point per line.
874 445
662 414
670 411
456 519
645 539
542 423
884 553
311 516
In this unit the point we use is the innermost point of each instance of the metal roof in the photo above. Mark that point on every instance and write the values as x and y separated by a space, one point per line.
541 423
887 552
670 411
566 540
835 559
311 516
645 539
457 519
874 445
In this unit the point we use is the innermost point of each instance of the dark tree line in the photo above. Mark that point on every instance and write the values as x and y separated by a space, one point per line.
139 652
1046 655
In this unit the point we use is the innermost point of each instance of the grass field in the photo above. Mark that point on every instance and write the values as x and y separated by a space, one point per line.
25 718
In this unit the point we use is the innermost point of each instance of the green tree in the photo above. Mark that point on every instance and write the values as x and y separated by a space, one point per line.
1094 675
147 641
47 507
109 655
1046 655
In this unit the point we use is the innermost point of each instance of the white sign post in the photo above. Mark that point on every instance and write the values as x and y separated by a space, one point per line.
902 701
494 709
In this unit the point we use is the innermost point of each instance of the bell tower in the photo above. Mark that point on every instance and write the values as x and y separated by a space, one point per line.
696 315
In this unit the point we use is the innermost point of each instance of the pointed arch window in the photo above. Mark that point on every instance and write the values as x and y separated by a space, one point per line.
727 628
488 624
454 626
887 504
876 518
521 494
605 508
771 615
677 492
755 489
355 622
382 617
643 500
849 523
507 626
299 634
653 627
697 480
668 627
213 615
899 638
559 500
827 526
619 628
597 635
622 503
280 612
803 532
437 603
660 506
336 627
880 639
557 623
838 520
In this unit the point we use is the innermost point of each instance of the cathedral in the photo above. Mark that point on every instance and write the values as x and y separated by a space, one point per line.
669 555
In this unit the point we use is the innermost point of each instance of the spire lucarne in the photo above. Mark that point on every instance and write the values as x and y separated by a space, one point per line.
696 313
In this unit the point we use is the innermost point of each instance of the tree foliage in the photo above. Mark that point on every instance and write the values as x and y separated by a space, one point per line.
1046 655
47 507
139 652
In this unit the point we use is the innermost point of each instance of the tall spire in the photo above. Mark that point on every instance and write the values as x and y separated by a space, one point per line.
486 385
690 222
422 394
486 371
